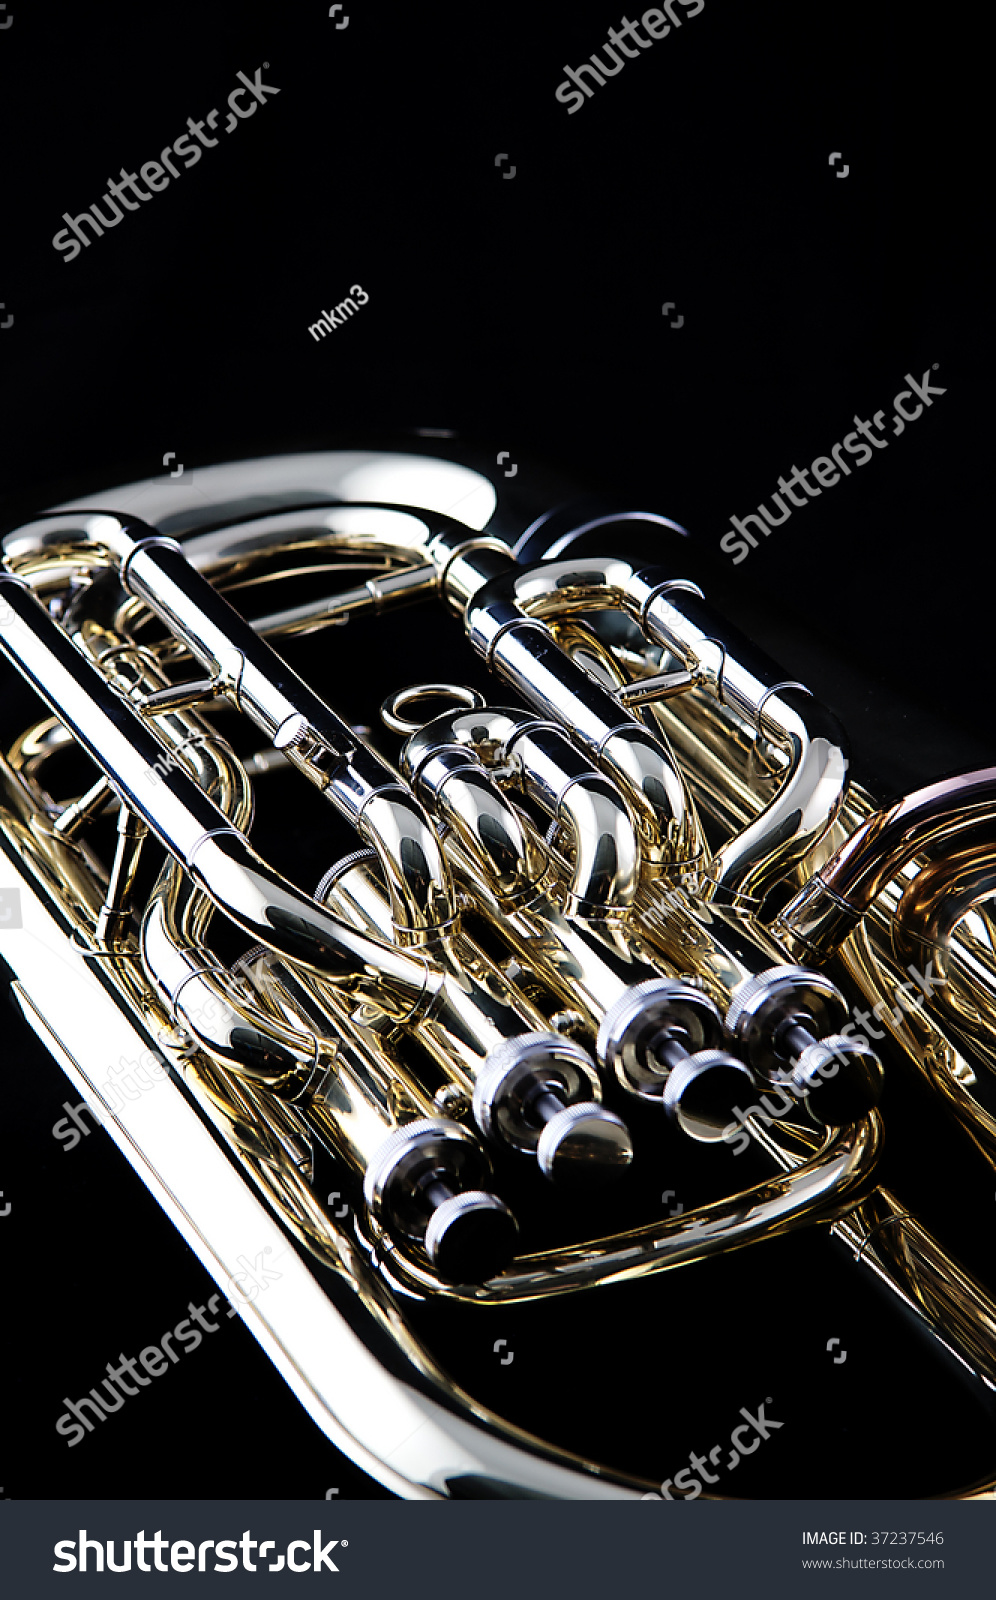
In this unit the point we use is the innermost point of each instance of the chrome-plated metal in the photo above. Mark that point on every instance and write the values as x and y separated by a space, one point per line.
537 1093
701 1091
534 895
424 1181
185 820
117 907
788 1020
519 1075
655 1029
765 1008
72 817
663 687
578 941
605 848
393 705
814 778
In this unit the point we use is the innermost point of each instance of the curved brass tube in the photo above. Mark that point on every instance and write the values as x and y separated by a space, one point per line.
532 661
929 912
474 1009
938 1041
609 900
467 800
936 1288
191 825
813 783
524 652
577 939
156 571
201 996
944 918
814 1185
606 850
822 914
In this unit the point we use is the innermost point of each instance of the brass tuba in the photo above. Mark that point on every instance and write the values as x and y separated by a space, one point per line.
613 916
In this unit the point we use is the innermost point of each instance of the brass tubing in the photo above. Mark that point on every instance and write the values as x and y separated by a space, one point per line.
474 1010
814 1185
191 826
813 783
605 857
580 943
531 1090
156 571
825 911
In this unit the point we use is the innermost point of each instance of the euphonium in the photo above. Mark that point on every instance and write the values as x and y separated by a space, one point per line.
574 918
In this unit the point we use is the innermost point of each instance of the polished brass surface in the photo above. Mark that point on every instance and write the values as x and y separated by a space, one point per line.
556 905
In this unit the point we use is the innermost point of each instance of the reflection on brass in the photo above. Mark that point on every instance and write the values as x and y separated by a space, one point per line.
533 943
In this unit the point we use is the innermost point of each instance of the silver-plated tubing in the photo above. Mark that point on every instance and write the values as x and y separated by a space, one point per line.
364 528
467 800
461 566
936 1289
422 1181
663 686
814 782
588 959
524 653
496 1045
593 964
203 1000
376 594
155 570
815 1185
185 819
72 817
115 913
180 696
368 1092
474 1008
353 777
477 577
606 850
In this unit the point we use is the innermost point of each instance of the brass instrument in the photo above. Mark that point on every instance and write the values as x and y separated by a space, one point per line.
613 898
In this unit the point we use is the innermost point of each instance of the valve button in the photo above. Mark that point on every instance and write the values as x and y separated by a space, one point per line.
583 1146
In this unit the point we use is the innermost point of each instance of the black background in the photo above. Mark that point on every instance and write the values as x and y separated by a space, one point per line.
525 314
